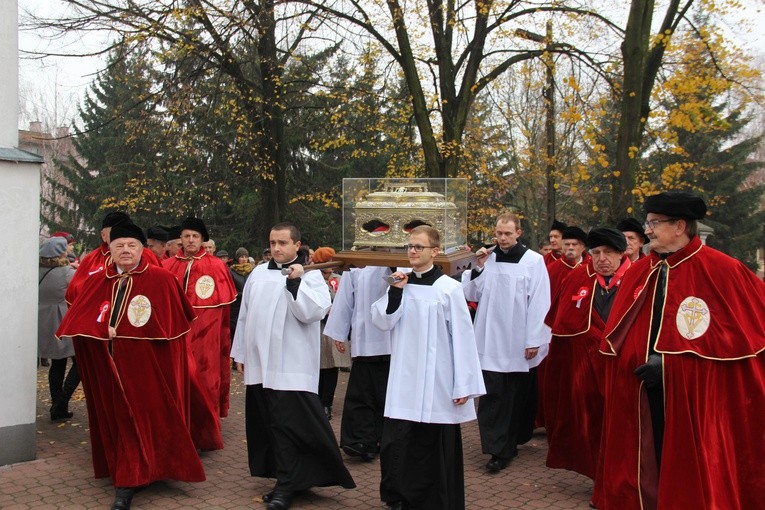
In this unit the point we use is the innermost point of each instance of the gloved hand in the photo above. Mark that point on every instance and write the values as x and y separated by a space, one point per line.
650 373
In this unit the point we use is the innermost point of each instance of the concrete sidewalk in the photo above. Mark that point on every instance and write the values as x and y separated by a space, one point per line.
62 475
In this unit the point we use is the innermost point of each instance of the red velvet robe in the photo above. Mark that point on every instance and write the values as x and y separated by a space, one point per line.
137 385
95 262
574 375
210 290
711 337
558 269
551 257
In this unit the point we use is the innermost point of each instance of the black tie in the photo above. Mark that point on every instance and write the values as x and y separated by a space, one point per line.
118 301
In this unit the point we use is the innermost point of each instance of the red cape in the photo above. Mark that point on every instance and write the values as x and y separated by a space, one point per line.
210 290
95 262
137 395
558 269
712 336
551 257
573 379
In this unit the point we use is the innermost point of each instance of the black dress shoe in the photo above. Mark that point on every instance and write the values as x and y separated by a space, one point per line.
56 413
124 495
398 505
267 497
496 464
359 450
279 500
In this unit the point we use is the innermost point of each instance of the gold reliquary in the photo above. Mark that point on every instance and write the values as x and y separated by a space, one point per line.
378 215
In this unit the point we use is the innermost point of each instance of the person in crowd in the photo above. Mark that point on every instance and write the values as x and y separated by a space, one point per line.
635 235
434 375
55 275
331 358
685 388
223 256
156 241
240 271
555 237
277 347
208 286
174 244
266 255
209 246
575 371
129 324
74 262
574 254
362 421
545 247
97 260
512 288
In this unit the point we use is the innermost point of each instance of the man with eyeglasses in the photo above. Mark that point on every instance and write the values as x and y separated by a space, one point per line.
686 373
434 374
512 289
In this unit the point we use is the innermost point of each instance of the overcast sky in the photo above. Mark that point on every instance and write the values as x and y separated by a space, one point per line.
51 87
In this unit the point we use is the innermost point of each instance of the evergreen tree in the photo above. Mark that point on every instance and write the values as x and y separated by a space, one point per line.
116 143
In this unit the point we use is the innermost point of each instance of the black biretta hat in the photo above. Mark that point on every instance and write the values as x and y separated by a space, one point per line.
558 225
158 233
197 225
603 236
676 204
575 233
632 225
113 218
127 229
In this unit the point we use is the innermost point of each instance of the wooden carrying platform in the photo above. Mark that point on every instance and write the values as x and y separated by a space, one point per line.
452 264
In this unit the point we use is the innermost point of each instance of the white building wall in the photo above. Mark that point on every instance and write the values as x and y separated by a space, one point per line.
19 223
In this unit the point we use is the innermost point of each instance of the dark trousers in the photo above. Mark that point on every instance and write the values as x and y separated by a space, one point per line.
504 411
421 465
327 385
62 384
362 421
289 438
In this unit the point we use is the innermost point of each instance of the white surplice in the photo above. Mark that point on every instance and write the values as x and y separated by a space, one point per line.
277 336
434 358
351 311
513 300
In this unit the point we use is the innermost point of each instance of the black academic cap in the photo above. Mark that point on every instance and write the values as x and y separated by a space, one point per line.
197 225
113 218
158 233
127 229
575 233
632 225
603 236
676 204
558 225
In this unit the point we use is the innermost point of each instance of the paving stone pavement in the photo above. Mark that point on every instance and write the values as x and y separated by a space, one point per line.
62 475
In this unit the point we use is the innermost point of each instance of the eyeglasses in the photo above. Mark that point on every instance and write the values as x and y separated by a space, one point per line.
652 224
416 247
